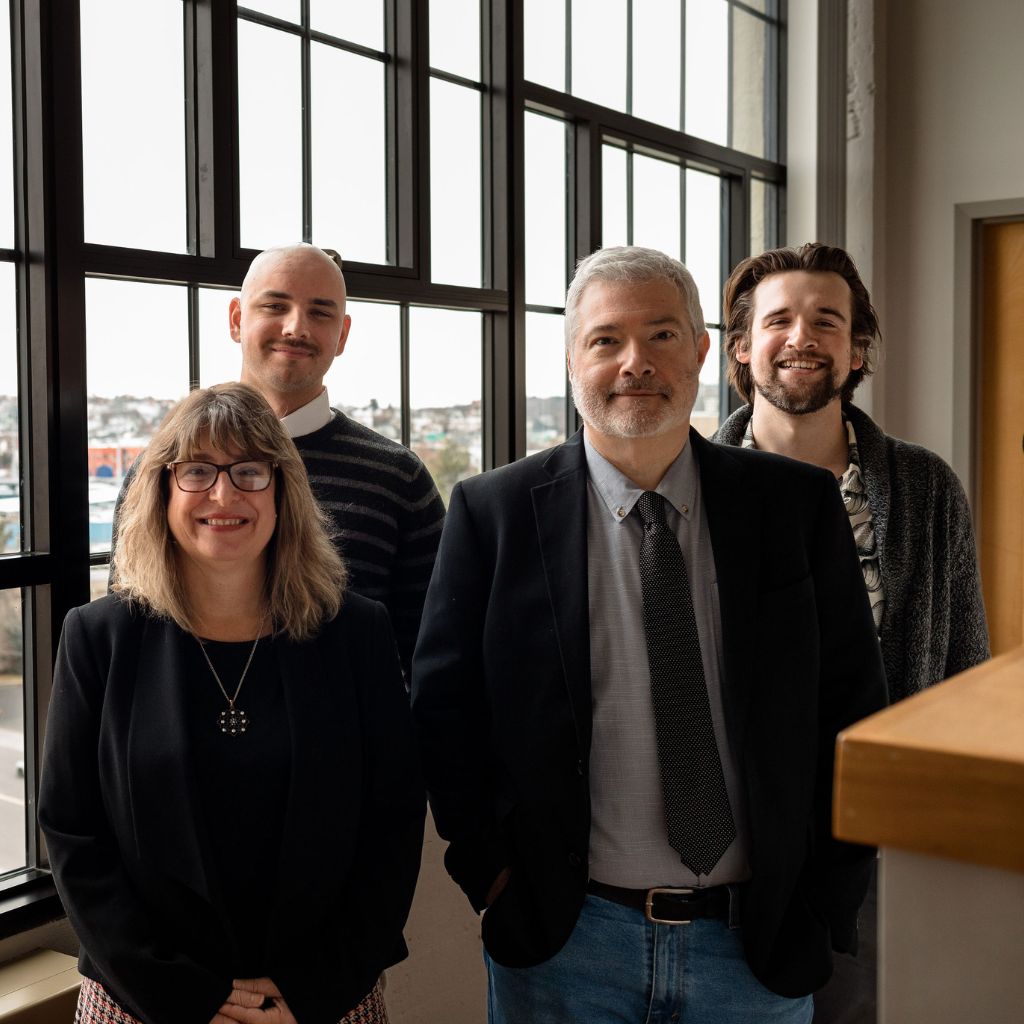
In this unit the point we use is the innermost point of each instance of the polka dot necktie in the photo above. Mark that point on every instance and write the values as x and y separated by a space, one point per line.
699 819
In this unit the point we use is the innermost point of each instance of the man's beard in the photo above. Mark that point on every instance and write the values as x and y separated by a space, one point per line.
636 419
800 399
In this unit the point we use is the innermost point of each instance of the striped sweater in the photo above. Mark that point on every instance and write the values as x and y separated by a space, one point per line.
386 513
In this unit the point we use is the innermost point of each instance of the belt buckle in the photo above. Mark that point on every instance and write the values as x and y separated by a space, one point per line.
663 891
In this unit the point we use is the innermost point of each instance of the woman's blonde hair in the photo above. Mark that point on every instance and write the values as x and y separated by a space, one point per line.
306 577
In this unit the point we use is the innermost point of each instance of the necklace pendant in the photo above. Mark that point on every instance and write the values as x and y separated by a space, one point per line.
233 721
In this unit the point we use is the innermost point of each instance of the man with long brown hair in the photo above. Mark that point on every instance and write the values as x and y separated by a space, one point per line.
801 334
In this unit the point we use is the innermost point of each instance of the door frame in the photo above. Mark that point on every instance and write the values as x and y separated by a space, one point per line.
970 218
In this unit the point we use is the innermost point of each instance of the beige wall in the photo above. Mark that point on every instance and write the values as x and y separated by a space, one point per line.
444 980
55 935
950 940
949 104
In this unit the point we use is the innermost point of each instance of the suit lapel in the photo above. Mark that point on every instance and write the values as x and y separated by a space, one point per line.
560 509
168 824
325 780
735 542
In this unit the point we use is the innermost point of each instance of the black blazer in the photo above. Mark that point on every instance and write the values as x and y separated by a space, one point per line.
502 701
118 805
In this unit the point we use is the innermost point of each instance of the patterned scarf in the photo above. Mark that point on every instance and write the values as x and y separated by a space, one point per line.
855 498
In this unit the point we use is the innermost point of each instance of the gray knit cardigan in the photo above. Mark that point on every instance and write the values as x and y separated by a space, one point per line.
934 620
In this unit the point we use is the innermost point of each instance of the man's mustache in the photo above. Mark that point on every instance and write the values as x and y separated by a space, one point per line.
826 361
659 387
302 346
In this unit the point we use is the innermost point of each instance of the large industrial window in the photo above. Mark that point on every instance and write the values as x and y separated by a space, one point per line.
460 155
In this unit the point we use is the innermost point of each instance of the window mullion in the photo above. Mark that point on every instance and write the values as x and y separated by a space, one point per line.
307 128
403 347
735 230
396 139
199 130
506 388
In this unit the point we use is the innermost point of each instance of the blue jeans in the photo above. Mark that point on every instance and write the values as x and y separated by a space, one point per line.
618 968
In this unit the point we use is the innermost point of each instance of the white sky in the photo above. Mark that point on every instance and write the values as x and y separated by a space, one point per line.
135 194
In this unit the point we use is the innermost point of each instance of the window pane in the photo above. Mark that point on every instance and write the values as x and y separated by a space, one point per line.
704 239
220 356
455 37
546 401
657 38
133 124
614 223
445 374
704 417
707 70
99 579
764 216
361 22
10 433
349 190
365 381
656 205
12 733
599 52
287 10
269 136
758 219
6 136
544 46
748 70
455 232
133 379
545 177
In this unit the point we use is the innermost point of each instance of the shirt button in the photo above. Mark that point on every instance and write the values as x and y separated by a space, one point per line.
575 860
686 509
620 511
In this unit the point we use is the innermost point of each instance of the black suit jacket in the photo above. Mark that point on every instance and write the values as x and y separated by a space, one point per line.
502 701
119 807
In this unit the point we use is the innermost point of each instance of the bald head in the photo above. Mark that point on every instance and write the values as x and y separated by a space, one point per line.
300 254
291 322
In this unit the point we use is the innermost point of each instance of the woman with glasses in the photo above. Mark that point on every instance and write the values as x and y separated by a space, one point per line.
230 797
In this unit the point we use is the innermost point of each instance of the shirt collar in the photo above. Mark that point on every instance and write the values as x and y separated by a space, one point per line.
309 417
619 494
851 440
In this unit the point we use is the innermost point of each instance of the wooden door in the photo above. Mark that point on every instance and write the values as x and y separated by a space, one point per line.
1001 421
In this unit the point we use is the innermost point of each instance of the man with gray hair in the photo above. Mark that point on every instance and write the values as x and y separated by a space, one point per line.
632 772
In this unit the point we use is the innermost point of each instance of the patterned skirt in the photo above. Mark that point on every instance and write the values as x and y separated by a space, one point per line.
95 1006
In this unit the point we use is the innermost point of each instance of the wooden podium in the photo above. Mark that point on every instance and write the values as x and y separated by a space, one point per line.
937 783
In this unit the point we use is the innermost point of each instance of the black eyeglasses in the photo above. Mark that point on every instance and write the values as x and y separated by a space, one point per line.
250 475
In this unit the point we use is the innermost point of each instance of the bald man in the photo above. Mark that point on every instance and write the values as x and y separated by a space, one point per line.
291 324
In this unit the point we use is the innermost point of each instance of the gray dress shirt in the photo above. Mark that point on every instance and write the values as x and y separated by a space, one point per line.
628 839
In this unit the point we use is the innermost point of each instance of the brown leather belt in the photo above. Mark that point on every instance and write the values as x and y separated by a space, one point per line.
664 905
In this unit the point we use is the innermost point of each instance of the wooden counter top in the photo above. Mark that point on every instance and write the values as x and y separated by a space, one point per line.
941 772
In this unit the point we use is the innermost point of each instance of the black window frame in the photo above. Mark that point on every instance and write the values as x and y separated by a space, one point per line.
53 261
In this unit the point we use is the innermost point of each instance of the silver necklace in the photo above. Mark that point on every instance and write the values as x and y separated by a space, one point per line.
233 721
